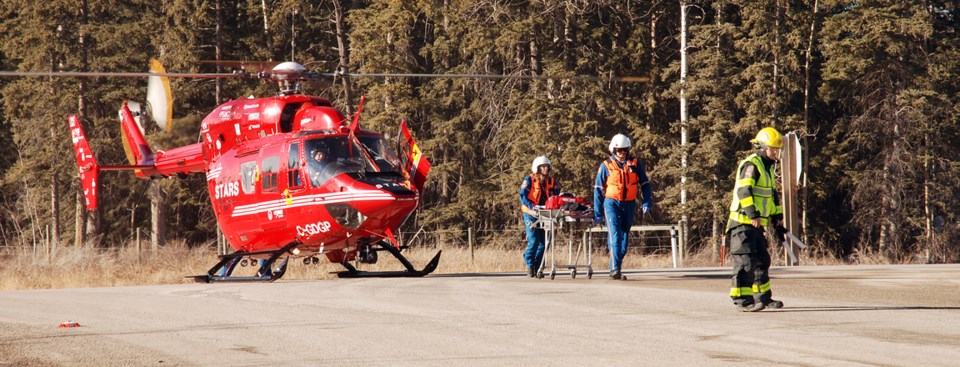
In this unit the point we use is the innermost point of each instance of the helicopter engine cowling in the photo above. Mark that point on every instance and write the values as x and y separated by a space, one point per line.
320 118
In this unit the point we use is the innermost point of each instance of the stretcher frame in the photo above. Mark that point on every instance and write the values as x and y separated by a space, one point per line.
551 221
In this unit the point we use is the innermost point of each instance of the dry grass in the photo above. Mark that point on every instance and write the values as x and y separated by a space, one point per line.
72 267
89 267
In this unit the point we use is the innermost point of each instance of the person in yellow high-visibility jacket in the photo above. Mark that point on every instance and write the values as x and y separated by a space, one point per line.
755 205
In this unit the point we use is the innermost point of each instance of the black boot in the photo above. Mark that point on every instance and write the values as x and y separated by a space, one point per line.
531 273
615 274
753 307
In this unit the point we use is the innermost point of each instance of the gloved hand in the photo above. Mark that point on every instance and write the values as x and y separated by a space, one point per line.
598 220
645 208
776 220
780 232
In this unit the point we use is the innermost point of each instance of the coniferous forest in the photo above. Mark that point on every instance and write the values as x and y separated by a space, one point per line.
870 87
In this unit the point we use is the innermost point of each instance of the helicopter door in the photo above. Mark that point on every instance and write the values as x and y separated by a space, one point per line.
270 188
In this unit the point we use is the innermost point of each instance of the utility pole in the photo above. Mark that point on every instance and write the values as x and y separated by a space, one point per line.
683 118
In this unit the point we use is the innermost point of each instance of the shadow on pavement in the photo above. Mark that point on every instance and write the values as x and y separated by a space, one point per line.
859 308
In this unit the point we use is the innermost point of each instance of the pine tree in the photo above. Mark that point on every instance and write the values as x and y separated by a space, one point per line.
873 70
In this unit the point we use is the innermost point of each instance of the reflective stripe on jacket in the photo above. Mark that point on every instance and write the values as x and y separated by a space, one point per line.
623 182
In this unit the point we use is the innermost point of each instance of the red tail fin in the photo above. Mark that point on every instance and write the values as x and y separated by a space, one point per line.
417 165
89 170
138 152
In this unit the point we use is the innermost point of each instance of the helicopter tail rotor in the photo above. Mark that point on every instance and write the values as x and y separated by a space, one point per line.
159 106
159 97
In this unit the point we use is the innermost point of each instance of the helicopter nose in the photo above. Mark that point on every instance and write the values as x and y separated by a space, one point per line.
372 209
387 213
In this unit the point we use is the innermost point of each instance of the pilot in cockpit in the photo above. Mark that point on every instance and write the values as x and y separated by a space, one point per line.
320 153
319 156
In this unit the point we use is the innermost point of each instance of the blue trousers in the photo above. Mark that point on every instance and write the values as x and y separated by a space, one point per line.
533 256
619 217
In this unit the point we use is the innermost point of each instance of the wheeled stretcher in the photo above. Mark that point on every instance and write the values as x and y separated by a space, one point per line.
552 221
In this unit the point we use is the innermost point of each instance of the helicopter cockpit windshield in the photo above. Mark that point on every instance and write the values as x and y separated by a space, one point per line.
330 156
383 156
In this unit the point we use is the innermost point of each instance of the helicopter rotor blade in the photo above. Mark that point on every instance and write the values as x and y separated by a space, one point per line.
625 79
94 74
240 74
248 66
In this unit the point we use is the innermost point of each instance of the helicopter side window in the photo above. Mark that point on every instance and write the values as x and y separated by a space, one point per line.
248 175
268 176
293 166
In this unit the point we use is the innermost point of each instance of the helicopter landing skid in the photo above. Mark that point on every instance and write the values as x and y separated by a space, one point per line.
221 272
410 271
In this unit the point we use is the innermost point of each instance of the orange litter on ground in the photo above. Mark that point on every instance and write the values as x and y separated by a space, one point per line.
69 324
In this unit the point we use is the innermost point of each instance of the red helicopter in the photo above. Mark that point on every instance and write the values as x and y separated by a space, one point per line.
288 176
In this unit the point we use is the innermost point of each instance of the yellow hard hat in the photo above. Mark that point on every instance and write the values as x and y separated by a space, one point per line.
769 137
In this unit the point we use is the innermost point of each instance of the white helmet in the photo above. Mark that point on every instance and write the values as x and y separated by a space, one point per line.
541 160
619 141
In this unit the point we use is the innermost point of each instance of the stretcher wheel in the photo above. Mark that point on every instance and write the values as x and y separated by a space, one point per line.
590 274
539 274
573 273
553 273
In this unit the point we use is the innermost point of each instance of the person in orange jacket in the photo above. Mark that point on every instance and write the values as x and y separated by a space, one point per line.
534 191
619 179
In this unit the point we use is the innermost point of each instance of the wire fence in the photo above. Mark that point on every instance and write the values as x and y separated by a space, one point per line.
648 243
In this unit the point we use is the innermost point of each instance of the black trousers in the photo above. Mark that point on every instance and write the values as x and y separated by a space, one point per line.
751 265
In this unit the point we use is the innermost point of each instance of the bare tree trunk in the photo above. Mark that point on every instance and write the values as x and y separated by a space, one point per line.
340 24
81 221
266 27
158 209
927 206
715 235
884 202
568 20
894 201
887 240
806 117
778 19
55 208
217 50
534 61
88 222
